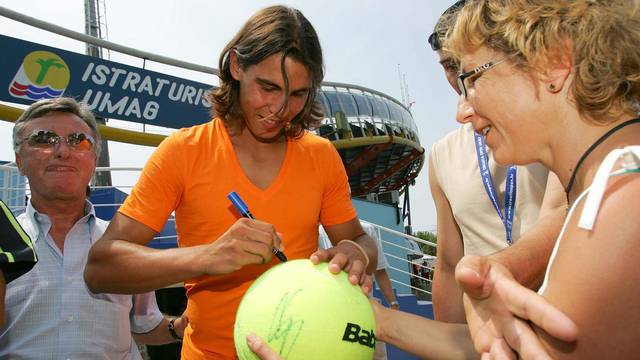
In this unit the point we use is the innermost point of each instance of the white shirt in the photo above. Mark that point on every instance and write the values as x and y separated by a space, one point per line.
51 314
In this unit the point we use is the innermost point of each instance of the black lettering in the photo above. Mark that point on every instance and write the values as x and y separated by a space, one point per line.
354 333
351 332
368 339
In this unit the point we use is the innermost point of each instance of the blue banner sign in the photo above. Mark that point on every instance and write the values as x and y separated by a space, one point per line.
30 72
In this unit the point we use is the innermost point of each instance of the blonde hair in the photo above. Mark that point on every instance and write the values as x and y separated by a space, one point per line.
602 38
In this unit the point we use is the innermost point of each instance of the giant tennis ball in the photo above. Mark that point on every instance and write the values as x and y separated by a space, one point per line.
305 312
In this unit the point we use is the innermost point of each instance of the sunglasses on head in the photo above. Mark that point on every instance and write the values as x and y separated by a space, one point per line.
434 38
47 139
434 41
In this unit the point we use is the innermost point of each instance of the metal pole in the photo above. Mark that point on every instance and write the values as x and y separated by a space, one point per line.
92 28
407 207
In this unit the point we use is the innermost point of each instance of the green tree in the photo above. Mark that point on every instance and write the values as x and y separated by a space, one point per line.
428 236
45 64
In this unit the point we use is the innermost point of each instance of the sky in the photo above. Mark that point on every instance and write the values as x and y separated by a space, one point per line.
364 43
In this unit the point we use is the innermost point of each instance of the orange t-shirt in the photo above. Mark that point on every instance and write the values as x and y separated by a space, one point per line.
192 172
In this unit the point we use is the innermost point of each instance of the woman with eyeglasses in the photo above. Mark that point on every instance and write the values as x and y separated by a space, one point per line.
555 82
558 82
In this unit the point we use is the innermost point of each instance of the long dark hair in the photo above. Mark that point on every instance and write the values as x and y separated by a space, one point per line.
273 30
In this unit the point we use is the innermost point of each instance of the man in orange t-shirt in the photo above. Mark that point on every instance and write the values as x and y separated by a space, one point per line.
257 146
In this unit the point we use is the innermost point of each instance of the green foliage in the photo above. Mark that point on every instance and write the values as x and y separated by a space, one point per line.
428 236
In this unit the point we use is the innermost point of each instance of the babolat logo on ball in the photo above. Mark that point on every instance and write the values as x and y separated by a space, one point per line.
354 333
43 75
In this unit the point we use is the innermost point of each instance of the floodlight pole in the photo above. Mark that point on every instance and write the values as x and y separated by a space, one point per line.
93 28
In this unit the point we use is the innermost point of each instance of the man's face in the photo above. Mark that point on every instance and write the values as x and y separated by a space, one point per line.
58 171
262 94
451 68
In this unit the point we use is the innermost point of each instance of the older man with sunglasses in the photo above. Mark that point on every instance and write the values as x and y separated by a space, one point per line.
50 310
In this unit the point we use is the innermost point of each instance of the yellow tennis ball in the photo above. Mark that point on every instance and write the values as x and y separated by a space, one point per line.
305 312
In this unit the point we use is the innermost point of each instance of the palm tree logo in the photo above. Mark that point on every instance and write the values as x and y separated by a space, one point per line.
43 75
45 65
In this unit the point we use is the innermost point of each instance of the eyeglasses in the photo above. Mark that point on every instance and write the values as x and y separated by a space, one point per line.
45 139
479 70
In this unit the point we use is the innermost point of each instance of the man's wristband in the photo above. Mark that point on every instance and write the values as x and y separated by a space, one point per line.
364 253
172 330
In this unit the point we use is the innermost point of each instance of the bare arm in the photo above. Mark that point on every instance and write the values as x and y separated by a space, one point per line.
346 256
527 259
595 281
417 335
423 337
352 230
498 309
490 282
446 295
160 334
591 268
120 263
382 278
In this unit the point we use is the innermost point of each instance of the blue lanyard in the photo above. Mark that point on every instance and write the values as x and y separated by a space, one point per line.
510 190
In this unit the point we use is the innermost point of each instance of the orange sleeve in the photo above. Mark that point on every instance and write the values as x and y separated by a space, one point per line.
159 188
336 199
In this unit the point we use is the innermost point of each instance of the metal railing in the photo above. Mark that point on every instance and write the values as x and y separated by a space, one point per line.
377 114
415 278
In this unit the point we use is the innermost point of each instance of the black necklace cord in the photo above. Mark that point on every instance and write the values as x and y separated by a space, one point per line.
600 140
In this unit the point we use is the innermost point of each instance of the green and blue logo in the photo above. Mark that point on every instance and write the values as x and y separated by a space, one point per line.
43 75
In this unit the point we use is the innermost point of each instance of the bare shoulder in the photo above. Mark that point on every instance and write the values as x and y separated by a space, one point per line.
594 277
619 213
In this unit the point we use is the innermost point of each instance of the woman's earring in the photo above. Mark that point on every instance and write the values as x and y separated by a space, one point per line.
552 87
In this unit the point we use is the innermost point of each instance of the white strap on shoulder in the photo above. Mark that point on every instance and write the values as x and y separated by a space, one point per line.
631 161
